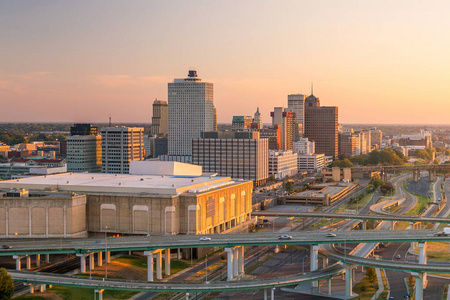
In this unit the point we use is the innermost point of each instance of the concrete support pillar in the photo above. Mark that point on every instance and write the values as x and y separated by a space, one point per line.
241 260
230 258
178 253
167 262
18 265
82 262
99 259
47 258
28 259
42 288
277 249
419 285
364 225
31 288
416 175
265 294
235 261
272 294
149 255
91 261
38 260
325 262
423 260
158 265
187 296
314 256
348 280
108 256
100 294
329 286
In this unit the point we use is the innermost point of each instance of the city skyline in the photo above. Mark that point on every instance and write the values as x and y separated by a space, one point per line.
380 62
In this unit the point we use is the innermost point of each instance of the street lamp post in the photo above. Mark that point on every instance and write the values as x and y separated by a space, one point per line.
106 252
90 265
206 268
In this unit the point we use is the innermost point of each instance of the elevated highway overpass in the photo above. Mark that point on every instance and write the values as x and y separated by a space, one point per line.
381 216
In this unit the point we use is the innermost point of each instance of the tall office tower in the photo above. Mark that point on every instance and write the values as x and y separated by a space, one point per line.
258 119
215 119
321 126
273 134
238 154
280 116
376 137
240 123
83 129
349 143
120 145
368 140
296 103
191 111
159 118
84 151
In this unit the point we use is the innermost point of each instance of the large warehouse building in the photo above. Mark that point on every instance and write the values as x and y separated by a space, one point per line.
145 204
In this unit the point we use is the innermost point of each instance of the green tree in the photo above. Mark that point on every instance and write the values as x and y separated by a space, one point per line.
376 181
272 178
6 285
371 275
289 186
342 163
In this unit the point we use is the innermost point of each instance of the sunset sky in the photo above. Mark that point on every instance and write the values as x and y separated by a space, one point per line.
80 61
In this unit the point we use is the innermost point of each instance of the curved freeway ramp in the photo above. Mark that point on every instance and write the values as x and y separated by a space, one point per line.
82 282
330 252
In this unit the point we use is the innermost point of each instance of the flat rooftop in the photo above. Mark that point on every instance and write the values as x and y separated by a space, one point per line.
120 183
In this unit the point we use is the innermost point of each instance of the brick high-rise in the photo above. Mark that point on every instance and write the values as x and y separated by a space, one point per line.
321 126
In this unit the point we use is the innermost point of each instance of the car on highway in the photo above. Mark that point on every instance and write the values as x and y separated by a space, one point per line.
398 256
6 247
205 238
285 237
330 234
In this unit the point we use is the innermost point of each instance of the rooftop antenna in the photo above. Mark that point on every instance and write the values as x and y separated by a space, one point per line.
312 88
109 120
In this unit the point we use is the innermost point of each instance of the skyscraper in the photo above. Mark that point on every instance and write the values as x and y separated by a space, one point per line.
258 118
191 111
120 145
296 103
284 118
84 151
159 118
321 126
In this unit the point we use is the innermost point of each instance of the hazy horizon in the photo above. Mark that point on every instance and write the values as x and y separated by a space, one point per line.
380 62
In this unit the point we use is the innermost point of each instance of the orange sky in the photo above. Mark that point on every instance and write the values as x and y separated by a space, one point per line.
79 61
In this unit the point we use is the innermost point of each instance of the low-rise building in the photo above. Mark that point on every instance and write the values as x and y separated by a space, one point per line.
42 214
148 204
282 164
312 163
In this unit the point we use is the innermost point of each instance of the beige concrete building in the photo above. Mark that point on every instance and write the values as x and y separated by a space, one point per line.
42 215
151 204
337 174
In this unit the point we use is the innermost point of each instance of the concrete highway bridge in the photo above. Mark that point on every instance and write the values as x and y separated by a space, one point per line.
416 169
381 217
153 247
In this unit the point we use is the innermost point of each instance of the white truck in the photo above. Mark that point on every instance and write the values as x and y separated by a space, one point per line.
446 232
